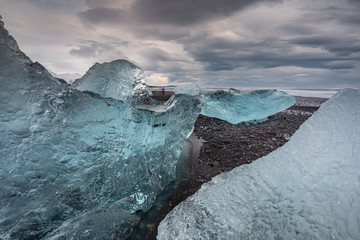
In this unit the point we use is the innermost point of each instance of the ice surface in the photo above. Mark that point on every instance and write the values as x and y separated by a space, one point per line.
119 79
237 106
75 165
241 106
190 90
308 189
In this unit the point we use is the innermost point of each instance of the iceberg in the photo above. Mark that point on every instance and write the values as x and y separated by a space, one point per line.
119 79
79 165
307 189
237 106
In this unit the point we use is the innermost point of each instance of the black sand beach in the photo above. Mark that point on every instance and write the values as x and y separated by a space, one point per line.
217 146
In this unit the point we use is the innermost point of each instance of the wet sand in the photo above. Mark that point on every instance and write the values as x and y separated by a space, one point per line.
217 146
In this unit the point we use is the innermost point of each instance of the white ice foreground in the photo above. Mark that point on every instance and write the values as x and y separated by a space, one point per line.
308 189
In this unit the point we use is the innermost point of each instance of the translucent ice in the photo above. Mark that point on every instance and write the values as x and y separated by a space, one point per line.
308 189
190 90
237 106
241 106
119 79
75 165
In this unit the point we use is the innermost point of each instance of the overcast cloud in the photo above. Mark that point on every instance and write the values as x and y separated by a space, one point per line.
230 43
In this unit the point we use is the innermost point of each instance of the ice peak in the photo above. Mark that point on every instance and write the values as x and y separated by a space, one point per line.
119 79
9 48
24 73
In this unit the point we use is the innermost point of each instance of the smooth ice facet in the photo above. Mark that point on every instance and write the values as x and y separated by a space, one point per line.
242 106
76 165
119 79
308 189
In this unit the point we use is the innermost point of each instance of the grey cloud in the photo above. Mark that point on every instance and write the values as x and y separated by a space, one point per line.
173 67
160 60
155 56
103 15
92 49
160 32
181 78
84 51
355 3
341 46
219 62
315 40
56 4
115 41
186 12
102 3
270 53
298 28
322 25
341 13
171 12
155 53
352 19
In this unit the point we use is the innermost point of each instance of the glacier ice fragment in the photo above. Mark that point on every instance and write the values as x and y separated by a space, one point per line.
308 189
119 79
77 165
237 106
242 106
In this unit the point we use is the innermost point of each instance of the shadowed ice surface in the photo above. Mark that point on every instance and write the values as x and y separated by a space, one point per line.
308 189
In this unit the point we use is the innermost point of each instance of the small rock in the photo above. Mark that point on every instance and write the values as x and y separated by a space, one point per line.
286 136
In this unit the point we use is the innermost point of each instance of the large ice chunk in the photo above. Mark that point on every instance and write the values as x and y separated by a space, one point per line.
237 106
75 165
241 106
119 79
308 189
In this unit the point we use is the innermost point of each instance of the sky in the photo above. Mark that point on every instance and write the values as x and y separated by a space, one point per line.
211 43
